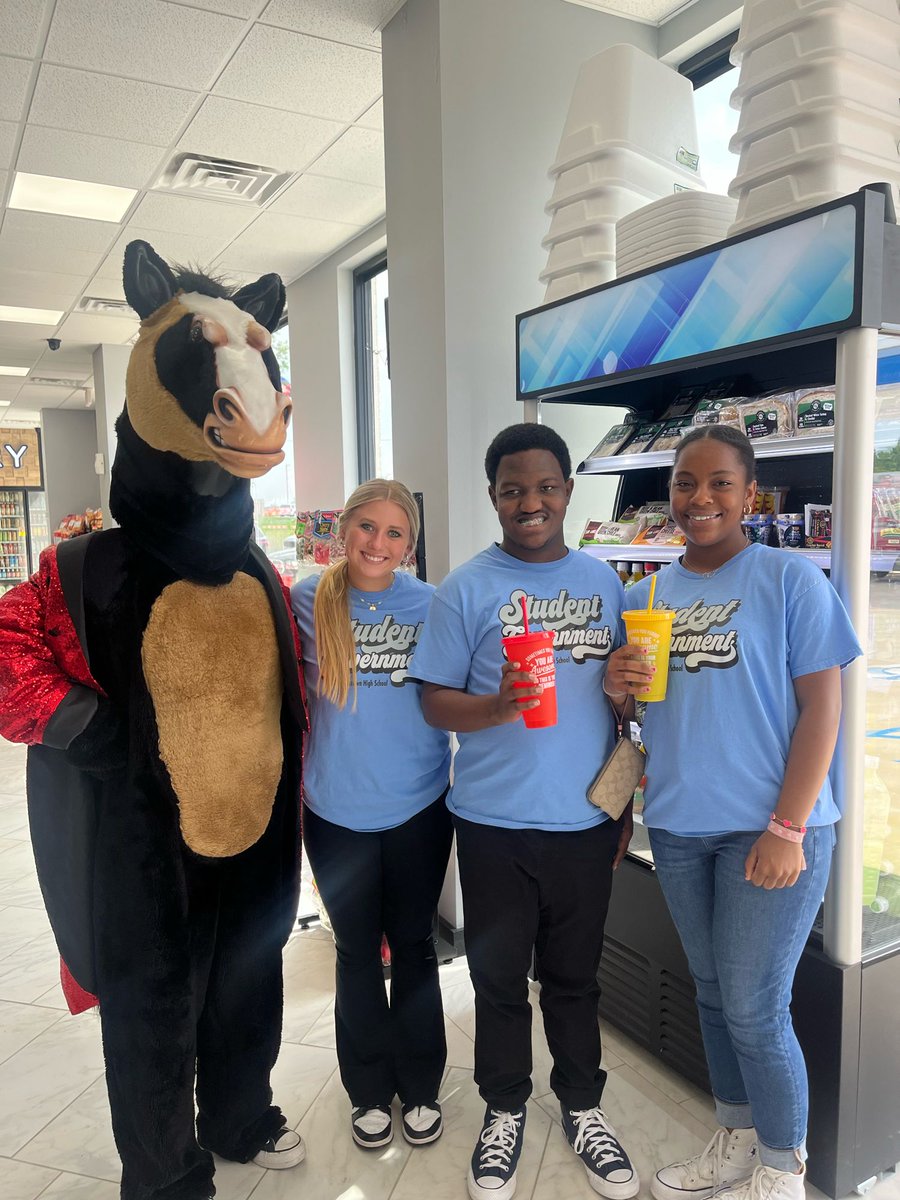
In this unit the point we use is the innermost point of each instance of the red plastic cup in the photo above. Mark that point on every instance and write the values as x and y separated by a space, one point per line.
534 653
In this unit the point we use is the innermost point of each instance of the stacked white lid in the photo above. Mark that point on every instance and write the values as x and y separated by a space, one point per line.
818 97
629 138
668 228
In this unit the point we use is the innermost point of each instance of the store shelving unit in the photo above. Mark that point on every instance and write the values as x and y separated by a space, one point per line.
797 304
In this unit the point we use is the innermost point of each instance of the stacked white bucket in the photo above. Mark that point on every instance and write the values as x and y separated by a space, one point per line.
819 98
630 138
668 228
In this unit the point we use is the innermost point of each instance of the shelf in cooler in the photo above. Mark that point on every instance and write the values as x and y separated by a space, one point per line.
881 560
764 448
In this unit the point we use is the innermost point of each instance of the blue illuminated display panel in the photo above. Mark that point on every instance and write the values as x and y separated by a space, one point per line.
795 278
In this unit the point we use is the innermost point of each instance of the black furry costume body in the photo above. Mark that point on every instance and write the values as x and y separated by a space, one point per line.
164 792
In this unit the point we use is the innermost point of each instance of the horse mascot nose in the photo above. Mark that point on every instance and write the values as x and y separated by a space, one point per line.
152 669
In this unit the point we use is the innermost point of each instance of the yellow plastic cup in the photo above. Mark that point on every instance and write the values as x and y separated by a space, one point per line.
652 629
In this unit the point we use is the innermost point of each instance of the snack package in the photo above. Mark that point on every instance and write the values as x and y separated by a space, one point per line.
813 411
789 528
759 527
616 533
589 536
772 500
817 526
768 416
672 433
666 535
650 527
614 441
653 508
719 412
645 437
886 511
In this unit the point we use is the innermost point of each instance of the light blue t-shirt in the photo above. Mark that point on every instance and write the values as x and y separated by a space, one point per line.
378 765
717 746
509 775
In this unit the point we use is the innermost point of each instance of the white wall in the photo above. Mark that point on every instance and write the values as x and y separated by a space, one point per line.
475 98
110 367
320 323
68 444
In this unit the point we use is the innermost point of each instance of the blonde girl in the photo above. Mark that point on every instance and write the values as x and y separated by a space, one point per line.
376 828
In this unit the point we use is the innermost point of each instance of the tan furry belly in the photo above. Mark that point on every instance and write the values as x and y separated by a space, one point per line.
210 658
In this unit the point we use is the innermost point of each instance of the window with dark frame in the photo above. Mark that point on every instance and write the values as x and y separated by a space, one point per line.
373 388
714 79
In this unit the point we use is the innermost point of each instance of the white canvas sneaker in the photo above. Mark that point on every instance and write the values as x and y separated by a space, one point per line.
767 1183
728 1159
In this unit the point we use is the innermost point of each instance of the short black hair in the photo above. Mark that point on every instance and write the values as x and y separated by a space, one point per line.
728 436
526 436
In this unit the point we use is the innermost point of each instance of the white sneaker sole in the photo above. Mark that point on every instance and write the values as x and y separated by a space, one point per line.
664 1191
282 1160
506 1192
613 1191
384 1140
423 1141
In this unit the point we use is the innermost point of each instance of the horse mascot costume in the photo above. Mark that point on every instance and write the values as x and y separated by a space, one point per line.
152 671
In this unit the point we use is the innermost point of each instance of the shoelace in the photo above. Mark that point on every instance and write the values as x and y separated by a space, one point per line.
707 1165
758 1187
501 1133
596 1136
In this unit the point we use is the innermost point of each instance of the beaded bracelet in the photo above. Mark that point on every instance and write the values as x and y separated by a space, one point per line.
789 835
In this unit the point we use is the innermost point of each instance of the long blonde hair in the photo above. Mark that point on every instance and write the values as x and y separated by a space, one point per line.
335 645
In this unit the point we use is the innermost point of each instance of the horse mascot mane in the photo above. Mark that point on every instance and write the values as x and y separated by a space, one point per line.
152 669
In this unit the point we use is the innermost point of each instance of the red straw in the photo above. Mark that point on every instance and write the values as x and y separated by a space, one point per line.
524 613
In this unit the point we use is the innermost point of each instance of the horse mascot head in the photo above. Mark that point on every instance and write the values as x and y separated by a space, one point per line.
204 414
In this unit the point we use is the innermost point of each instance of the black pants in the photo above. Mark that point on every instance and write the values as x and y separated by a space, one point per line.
529 892
189 968
385 882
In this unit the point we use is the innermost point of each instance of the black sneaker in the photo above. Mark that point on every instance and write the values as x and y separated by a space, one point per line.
284 1150
422 1123
492 1173
372 1127
596 1143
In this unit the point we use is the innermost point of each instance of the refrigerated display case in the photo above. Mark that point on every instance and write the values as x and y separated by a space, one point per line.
809 301
23 505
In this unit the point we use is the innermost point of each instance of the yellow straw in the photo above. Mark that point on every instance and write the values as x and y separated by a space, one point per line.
652 590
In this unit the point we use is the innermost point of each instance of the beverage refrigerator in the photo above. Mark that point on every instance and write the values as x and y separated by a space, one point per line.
24 522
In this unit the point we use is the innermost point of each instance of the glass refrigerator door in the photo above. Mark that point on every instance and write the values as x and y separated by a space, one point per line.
13 541
38 525
881 834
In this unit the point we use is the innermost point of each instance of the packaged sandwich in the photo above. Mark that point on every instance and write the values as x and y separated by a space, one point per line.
614 441
768 416
645 437
616 533
817 526
813 411
672 433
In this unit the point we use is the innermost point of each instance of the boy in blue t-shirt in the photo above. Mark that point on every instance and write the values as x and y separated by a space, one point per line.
535 857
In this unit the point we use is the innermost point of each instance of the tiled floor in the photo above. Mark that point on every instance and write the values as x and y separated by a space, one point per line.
55 1139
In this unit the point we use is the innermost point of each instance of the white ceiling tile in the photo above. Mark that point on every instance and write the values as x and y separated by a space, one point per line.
39 395
145 39
76 233
253 134
182 248
9 389
20 26
120 108
107 284
40 289
73 359
374 117
303 74
353 21
40 256
358 155
286 244
18 333
86 156
86 327
14 76
174 214
8 130
234 8
654 12
331 199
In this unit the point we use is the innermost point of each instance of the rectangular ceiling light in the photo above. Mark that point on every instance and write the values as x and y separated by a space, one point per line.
14 370
70 197
31 316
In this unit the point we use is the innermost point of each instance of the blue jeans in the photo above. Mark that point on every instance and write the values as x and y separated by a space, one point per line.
743 944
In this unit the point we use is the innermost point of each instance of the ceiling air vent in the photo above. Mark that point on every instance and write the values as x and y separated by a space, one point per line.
47 381
104 306
219 179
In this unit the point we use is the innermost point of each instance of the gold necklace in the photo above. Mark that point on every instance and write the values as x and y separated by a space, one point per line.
371 605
